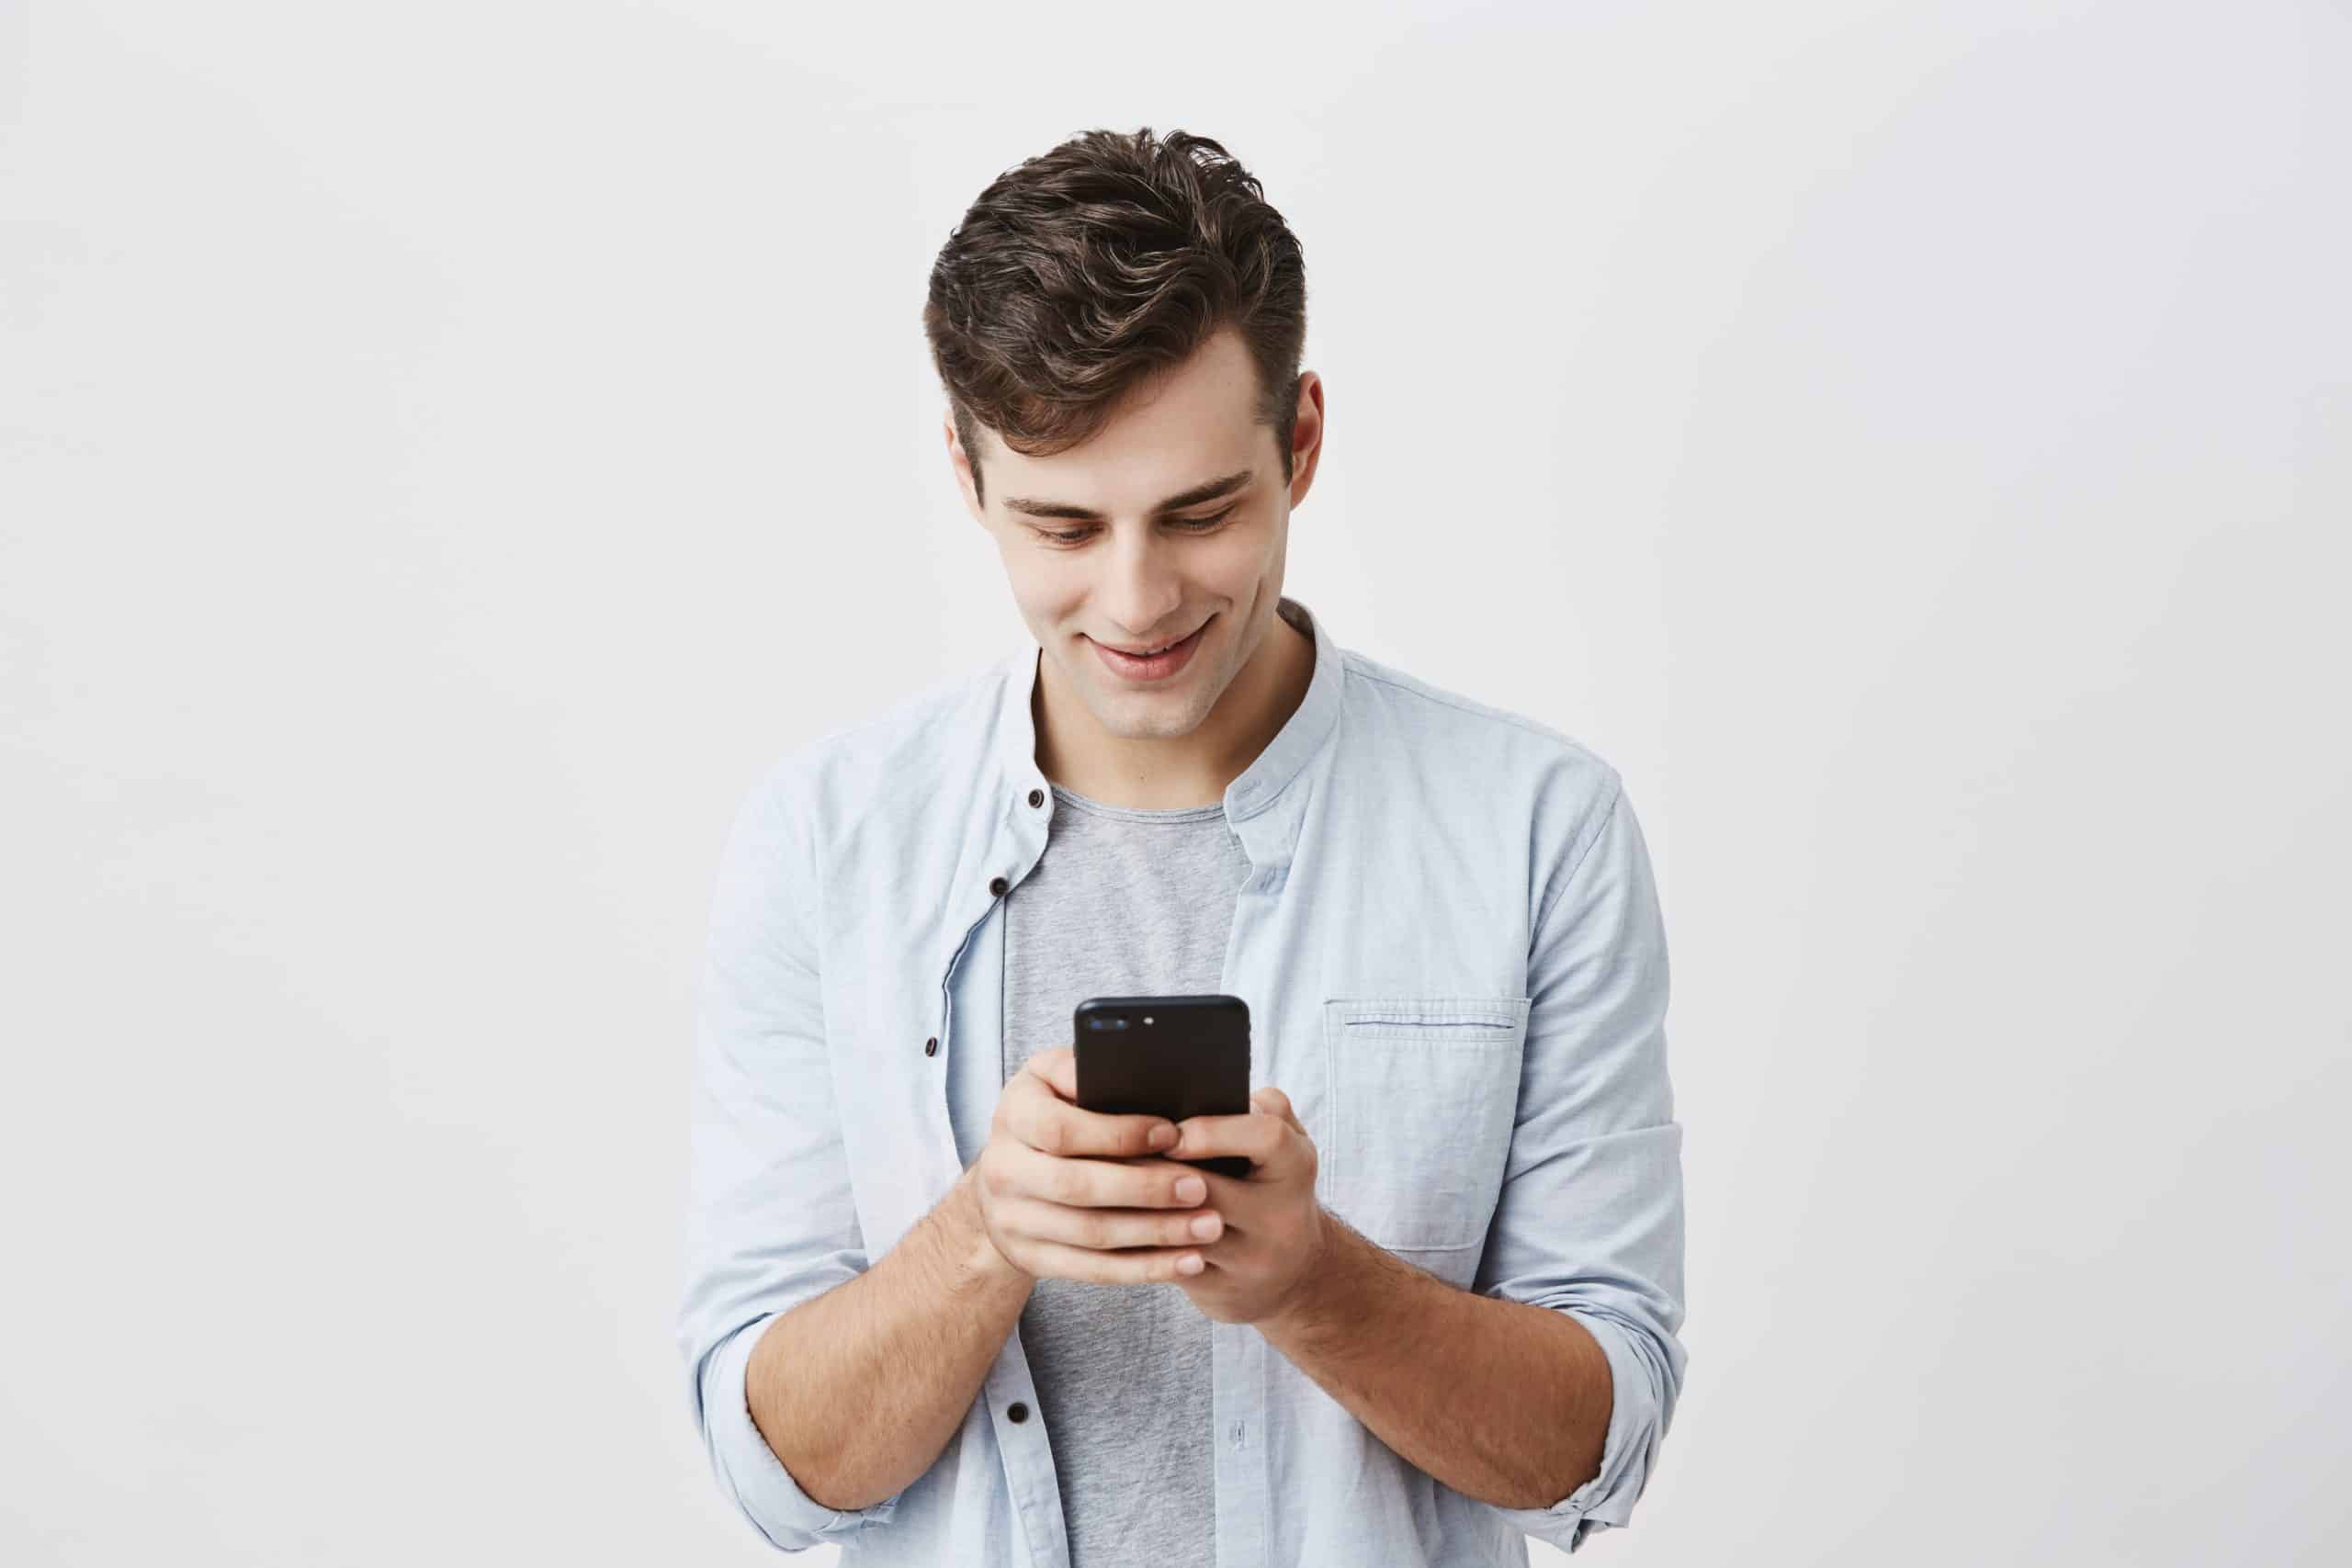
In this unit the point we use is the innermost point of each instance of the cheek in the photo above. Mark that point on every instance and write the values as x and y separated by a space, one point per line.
1234 563
1047 588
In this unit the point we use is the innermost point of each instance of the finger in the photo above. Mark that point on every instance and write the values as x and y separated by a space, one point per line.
1052 1125
1104 1230
1139 1266
1275 1102
1058 1066
1070 1132
1257 1134
1085 1183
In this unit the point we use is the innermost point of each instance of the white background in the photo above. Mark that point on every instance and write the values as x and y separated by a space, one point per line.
447 449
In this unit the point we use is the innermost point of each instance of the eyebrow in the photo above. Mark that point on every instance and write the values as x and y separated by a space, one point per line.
1208 490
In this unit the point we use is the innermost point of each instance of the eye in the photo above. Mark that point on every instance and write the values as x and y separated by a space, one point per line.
1187 524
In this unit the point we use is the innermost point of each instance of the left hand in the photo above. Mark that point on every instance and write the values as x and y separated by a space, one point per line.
1274 1231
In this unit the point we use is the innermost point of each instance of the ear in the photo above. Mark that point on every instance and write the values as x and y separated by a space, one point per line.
1306 437
959 463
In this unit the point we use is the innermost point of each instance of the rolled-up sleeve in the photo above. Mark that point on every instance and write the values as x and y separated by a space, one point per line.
1590 1222
769 1218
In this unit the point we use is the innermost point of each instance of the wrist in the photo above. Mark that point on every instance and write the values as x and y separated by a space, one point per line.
973 1259
1301 1306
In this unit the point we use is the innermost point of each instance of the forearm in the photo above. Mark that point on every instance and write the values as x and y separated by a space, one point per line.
859 1388
1502 1401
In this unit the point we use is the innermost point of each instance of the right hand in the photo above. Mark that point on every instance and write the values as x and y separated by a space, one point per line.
1069 1193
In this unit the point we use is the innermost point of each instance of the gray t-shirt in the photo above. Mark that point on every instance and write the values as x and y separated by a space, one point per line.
1124 902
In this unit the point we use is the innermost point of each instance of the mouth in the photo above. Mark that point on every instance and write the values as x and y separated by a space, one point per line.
1152 664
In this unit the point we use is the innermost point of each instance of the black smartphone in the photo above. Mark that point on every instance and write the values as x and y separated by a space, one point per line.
1172 1056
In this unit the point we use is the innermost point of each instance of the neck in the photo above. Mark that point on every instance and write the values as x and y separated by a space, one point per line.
1192 770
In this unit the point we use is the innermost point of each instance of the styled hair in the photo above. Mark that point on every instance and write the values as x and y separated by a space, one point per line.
1086 271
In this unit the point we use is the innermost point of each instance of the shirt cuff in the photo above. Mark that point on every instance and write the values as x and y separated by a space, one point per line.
1607 1498
747 1469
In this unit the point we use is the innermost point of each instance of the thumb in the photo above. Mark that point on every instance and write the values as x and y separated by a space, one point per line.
1274 1102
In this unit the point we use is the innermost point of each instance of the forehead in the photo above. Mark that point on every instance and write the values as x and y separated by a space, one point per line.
1192 423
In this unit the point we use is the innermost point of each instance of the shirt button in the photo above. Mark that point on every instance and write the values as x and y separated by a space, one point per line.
930 1046
1036 797
997 885
1019 1412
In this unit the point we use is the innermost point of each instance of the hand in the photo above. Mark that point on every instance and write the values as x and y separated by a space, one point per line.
1275 1232
1069 1193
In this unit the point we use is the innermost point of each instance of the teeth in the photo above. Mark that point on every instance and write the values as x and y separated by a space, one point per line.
1152 653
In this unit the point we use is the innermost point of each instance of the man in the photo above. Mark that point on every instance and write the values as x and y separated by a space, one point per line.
938 1313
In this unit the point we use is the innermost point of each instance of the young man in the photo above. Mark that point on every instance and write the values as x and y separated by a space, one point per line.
936 1312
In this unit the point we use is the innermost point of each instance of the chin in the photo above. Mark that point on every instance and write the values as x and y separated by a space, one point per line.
1134 716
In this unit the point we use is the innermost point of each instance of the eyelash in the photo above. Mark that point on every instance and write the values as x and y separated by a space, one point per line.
1190 524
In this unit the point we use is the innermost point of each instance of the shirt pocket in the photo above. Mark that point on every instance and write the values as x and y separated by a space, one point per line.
1424 1093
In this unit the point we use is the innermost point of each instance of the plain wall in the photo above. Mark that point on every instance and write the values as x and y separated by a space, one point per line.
448 449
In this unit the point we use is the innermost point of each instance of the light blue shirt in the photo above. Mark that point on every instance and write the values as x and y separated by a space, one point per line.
1452 947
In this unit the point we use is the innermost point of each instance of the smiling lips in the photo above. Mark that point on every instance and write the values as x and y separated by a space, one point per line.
1154 666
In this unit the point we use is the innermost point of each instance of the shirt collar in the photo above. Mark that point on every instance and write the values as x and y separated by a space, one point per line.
1262 804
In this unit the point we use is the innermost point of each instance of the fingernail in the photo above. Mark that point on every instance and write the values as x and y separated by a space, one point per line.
1191 1188
1189 1264
1162 1135
1204 1226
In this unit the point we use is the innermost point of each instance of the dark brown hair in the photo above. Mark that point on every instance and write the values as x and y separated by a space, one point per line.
1084 272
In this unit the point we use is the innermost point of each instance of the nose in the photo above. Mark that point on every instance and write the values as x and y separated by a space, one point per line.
1141 594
